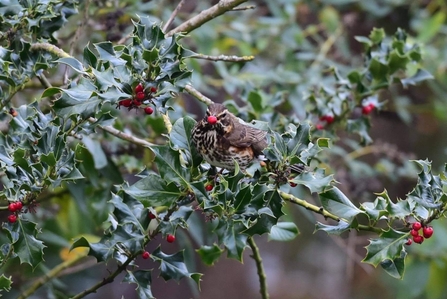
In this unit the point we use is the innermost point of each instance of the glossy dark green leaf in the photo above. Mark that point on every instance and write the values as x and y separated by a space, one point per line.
5 283
153 191
338 229
335 202
315 181
255 99
180 138
172 266
230 234
387 247
209 254
74 64
143 280
169 166
107 53
129 210
283 231
395 267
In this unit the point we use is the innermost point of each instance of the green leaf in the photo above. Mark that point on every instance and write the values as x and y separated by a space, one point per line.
387 247
377 35
180 138
284 231
421 75
335 202
172 266
395 267
95 149
143 280
74 64
107 53
338 229
315 182
361 127
22 235
230 234
5 283
129 210
169 166
255 99
209 254
378 70
153 191
429 191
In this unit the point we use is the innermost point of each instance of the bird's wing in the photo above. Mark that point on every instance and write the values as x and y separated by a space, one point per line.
245 136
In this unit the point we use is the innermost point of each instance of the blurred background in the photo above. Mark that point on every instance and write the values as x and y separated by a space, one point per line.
294 43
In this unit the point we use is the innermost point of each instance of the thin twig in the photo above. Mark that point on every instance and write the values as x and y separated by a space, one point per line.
261 273
122 135
205 16
309 206
232 58
244 8
173 15
194 92
50 275
106 280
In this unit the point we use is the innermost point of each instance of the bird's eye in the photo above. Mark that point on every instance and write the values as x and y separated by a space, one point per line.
223 114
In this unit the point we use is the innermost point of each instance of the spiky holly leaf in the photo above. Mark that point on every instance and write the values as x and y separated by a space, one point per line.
230 234
143 280
284 231
177 218
180 138
395 267
129 210
209 254
22 235
153 191
338 204
169 165
388 246
341 227
172 266
315 181
421 75
5 283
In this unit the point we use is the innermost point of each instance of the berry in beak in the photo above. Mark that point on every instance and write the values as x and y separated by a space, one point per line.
212 120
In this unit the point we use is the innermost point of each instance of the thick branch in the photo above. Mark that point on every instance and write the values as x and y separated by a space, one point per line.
225 58
207 15
194 92
261 273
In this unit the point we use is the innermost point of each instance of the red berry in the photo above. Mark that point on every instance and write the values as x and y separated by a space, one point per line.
417 226
212 119
12 207
153 89
409 242
136 102
152 216
125 103
140 96
292 184
319 127
368 109
414 232
146 255
418 239
12 218
170 238
209 187
148 110
18 205
427 231
139 88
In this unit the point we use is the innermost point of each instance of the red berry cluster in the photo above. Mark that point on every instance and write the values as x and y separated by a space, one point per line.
427 232
139 98
15 208
367 109
328 118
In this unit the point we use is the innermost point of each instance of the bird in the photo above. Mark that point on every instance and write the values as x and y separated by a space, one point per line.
222 138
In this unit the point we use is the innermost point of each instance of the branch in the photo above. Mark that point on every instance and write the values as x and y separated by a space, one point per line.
106 280
231 58
122 135
50 48
309 206
173 15
194 92
50 275
261 273
207 15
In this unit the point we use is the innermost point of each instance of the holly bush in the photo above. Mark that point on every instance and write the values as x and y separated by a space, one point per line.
97 159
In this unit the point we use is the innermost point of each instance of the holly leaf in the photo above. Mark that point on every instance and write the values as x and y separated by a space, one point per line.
395 267
315 182
180 138
341 227
230 234
129 210
22 235
338 204
169 166
284 231
209 254
143 280
5 283
421 75
172 266
387 247
153 191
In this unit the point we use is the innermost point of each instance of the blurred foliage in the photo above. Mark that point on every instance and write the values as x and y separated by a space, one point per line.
317 67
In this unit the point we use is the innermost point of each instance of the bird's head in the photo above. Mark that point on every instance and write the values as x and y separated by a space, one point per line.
218 118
